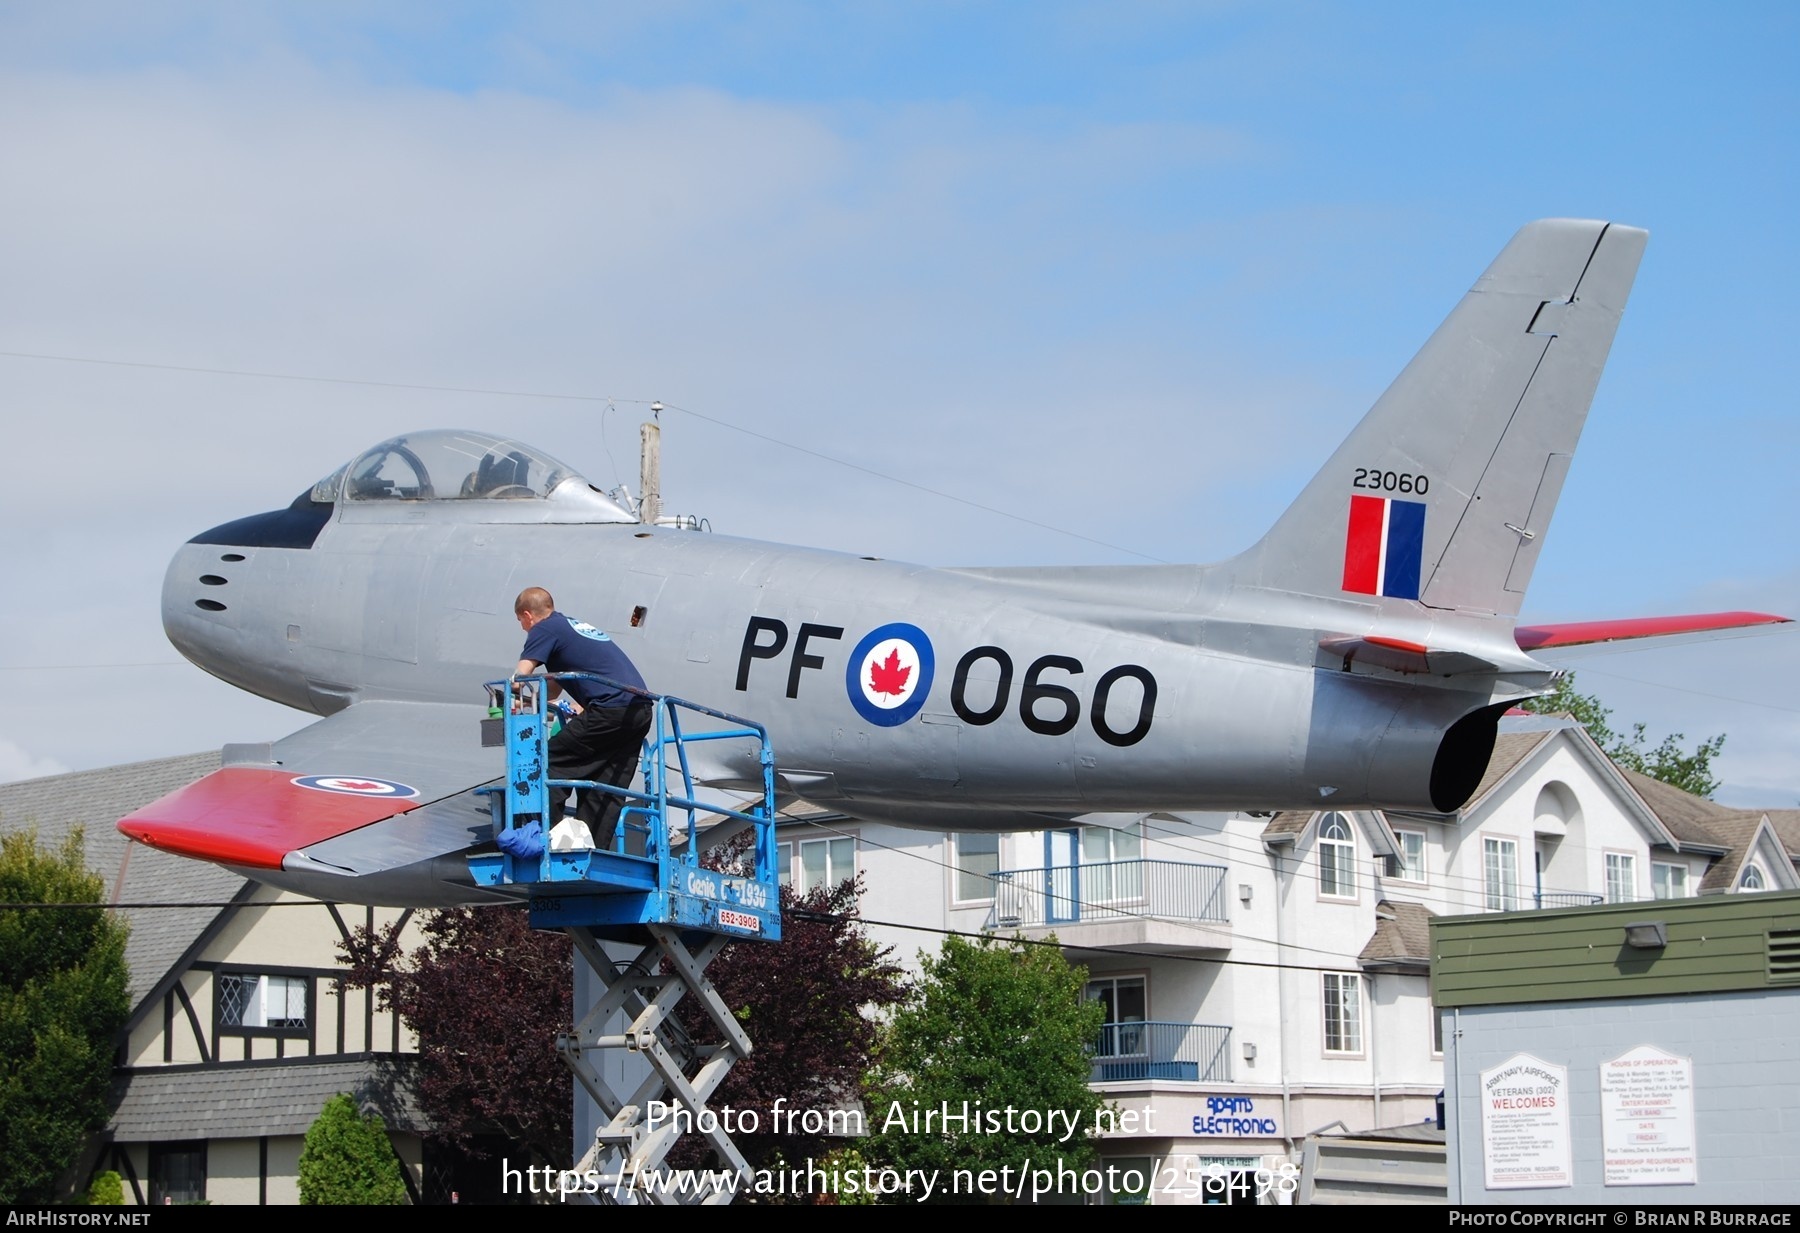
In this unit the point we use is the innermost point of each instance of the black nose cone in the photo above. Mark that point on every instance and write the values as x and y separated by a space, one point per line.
297 526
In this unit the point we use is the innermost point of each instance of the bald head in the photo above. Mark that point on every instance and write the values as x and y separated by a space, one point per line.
534 600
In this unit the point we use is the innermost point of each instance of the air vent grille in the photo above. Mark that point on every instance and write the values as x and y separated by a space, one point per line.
1784 955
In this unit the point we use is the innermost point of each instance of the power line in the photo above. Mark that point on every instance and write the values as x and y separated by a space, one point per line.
920 487
160 663
1682 689
799 913
593 398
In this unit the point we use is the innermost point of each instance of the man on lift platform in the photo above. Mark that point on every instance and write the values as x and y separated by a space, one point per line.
603 741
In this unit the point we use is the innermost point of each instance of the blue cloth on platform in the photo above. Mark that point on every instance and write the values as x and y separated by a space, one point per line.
523 842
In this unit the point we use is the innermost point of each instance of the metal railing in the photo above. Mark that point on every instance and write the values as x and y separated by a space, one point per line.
1179 1052
1111 890
1566 899
655 875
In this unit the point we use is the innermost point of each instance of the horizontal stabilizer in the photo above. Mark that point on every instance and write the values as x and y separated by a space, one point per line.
1586 633
1400 655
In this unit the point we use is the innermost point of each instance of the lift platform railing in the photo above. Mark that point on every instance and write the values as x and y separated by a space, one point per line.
652 864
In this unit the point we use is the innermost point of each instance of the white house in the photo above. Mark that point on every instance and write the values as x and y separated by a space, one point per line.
1267 977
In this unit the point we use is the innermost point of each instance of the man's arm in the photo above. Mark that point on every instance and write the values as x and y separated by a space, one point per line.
529 667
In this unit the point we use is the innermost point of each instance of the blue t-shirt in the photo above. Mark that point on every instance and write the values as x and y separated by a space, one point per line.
562 645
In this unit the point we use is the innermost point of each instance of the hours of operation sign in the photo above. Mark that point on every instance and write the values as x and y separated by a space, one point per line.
1647 1119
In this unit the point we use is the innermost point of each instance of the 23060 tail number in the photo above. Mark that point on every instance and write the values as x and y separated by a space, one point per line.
1391 481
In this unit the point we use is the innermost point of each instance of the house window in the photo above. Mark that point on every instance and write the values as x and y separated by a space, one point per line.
1410 856
826 862
1621 877
178 1172
1500 874
1343 1012
1337 858
1668 881
1126 1000
977 856
1437 1032
1112 868
784 863
1752 877
248 1001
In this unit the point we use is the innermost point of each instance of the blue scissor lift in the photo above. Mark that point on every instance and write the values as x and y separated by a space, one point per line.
647 888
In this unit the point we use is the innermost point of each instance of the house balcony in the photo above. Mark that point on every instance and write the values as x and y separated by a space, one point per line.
1164 1052
1566 899
1542 899
1144 906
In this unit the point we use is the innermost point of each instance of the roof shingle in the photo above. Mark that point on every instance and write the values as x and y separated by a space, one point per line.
1402 935
245 1102
93 800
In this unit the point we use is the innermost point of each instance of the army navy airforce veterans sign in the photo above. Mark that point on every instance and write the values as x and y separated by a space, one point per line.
1525 1125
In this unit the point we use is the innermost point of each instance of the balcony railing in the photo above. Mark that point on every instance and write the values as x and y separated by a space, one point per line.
1567 899
1182 1052
1113 890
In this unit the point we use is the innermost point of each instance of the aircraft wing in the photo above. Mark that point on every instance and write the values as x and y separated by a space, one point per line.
1587 633
374 804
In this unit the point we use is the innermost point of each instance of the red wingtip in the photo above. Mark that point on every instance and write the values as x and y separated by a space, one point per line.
251 817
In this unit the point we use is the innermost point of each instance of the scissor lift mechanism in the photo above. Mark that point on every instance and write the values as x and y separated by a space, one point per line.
648 888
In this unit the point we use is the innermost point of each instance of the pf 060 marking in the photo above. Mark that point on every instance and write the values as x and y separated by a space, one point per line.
890 688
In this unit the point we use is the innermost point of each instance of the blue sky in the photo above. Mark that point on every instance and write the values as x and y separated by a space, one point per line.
1129 270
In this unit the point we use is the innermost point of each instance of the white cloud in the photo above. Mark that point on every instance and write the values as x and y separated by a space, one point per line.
18 763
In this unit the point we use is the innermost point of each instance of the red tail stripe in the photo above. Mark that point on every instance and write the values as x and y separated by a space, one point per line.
1362 546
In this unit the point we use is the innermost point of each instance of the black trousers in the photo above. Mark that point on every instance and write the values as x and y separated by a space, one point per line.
603 744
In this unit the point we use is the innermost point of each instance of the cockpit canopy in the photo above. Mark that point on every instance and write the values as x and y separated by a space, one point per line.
453 465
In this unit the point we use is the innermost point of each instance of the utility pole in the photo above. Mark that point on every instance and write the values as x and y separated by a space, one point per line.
650 467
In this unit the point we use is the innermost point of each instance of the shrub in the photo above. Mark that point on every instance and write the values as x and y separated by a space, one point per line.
347 1159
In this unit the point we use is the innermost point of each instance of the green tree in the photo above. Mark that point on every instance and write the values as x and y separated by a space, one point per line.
488 996
1002 1026
1689 770
62 1003
347 1159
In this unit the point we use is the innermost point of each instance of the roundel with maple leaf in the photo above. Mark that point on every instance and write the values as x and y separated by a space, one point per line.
889 674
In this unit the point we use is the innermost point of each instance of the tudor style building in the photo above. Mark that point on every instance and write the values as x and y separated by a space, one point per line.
240 1029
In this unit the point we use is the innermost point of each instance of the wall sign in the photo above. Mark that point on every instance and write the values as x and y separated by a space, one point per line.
1525 1125
1647 1119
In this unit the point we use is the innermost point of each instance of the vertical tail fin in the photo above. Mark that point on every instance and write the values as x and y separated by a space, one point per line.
1443 493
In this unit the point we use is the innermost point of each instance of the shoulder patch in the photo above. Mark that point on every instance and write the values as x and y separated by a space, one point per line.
588 631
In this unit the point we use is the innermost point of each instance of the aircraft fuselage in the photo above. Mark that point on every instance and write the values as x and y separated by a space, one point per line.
1025 691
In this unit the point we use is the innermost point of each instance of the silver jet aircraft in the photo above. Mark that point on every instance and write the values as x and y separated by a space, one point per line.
1360 655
